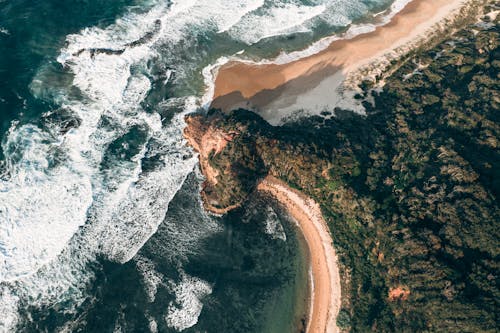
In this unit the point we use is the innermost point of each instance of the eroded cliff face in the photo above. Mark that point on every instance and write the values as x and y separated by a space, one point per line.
231 168
207 139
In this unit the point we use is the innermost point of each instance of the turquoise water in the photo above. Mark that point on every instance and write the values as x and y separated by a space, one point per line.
101 227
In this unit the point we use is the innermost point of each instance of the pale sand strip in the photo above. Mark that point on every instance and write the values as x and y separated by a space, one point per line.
237 82
326 292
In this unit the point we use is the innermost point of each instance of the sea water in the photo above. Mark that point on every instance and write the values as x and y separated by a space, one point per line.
101 225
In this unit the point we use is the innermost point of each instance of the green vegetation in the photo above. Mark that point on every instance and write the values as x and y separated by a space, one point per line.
410 191
343 319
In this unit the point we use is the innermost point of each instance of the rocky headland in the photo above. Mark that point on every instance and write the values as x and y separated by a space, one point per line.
235 156
228 159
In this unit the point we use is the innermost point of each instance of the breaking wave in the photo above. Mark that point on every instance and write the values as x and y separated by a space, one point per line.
184 312
274 21
150 277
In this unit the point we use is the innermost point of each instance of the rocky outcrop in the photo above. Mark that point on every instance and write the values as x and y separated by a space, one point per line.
231 169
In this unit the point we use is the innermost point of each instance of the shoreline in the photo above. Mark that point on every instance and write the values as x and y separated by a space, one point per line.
211 71
270 88
325 289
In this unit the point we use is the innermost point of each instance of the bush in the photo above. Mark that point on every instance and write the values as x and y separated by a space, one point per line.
344 319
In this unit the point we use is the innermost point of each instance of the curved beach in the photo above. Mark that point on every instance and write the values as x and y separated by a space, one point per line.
325 289
259 86
325 297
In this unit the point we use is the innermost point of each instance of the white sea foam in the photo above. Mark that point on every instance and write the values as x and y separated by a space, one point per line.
242 9
153 325
339 12
215 15
54 283
274 21
8 309
398 6
32 231
185 311
151 278
273 225
4 31
129 217
43 206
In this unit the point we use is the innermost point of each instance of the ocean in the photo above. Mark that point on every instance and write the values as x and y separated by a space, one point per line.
101 224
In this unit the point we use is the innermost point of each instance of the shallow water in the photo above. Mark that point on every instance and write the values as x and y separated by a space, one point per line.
101 227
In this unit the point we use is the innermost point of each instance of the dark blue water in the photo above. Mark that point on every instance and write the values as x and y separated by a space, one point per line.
35 32
256 279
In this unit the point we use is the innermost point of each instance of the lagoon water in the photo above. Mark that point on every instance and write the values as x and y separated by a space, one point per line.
101 227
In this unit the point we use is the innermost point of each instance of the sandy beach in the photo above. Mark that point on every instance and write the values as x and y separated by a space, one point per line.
325 284
258 87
